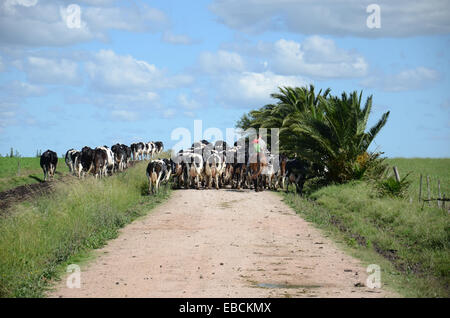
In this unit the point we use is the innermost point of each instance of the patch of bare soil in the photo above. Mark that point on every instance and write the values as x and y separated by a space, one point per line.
22 193
222 243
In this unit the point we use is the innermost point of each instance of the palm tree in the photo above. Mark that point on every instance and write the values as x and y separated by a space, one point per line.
291 102
334 136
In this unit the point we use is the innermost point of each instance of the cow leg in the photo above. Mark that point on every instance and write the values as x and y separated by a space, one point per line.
197 181
149 184
157 182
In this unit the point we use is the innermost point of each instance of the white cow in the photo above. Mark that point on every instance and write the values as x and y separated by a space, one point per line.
110 161
194 168
213 170
269 172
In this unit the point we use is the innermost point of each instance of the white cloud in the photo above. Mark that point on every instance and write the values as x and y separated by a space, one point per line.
249 88
189 114
343 18
9 4
221 62
131 18
317 57
169 113
8 114
125 115
169 37
44 25
22 89
42 70
110 72
187 103
411 79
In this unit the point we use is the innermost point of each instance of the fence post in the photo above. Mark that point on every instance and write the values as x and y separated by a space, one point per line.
428 189
397 176
18 167
420 188
439 202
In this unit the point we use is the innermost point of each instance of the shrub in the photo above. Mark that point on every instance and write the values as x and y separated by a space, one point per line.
391 187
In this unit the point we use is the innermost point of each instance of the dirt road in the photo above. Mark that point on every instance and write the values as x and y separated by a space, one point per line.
222 243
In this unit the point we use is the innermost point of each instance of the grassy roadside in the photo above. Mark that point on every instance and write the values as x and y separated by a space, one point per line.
30 171
410 245
436 168
65 225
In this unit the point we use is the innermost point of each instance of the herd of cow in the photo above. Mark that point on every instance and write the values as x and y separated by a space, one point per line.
101 161
203 165
206 164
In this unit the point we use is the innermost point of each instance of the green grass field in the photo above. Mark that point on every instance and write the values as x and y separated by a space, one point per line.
437 169
15 172
42 236
410 243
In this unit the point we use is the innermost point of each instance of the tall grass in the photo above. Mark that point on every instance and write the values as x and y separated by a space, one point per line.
41 236
415 242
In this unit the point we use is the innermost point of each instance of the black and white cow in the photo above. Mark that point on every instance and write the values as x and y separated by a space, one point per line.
120 157
86 161
76 157
138 150
159 146
109 166
213 170
269 172
49 161
239 178
129 154
157 172
178 168
170 169
149 150
193 163
70 160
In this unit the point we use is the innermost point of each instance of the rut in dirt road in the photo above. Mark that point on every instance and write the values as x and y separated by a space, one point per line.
224 243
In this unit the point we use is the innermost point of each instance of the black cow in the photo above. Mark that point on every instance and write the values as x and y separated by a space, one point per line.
49 161
86 161
100 162
120 156
159 146
220 145
297 172
128 152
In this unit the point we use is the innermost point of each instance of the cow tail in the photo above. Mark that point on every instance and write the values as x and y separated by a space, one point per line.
154 176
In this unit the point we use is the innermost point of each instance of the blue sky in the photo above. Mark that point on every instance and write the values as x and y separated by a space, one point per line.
136 70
